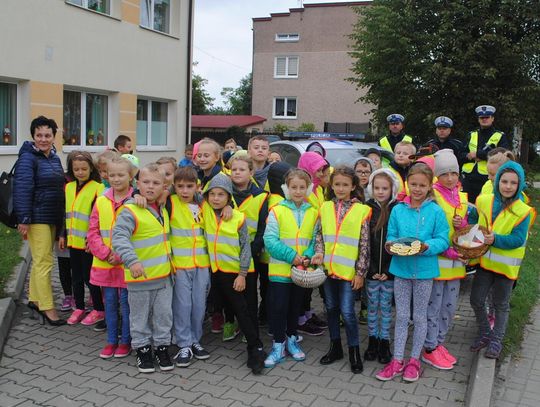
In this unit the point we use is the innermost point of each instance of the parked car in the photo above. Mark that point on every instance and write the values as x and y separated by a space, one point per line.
338 152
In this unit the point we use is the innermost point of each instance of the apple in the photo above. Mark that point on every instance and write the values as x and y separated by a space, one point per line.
300 267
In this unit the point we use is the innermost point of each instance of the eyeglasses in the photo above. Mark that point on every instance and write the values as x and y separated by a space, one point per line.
363 172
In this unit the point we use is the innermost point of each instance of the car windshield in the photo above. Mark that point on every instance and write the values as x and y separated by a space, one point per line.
342 156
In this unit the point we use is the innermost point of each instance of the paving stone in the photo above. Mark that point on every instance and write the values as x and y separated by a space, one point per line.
410 397
13 389
354 398
92 396
291 395
319 402
210 401
37 395
265 401
8 401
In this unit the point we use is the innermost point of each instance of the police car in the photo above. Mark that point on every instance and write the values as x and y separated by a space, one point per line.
341 149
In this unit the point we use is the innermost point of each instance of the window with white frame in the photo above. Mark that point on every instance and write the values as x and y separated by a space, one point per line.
155 14
286 67
8 114
284 108
102 6
85 119
287 37
152 121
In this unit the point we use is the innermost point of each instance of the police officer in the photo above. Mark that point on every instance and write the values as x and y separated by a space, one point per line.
474 153
396 134
444 139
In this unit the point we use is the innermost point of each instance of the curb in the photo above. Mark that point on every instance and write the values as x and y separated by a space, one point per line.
482 379
14 288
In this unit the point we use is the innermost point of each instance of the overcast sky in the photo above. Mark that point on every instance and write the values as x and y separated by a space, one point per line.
223 38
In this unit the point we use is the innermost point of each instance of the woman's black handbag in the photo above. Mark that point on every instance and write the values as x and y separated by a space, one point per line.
7 214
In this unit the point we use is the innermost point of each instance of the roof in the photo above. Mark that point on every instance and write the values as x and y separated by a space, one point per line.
224 121
313 5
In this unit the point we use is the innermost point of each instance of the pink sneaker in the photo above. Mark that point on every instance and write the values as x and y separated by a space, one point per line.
123 350
391 370
76 317
67 304
108 351
411 372
93 317
436 359
447 355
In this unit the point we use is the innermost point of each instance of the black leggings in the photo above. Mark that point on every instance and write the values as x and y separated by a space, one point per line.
64 270
81 263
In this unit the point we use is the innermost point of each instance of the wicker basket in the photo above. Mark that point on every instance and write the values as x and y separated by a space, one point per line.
308 279
469 252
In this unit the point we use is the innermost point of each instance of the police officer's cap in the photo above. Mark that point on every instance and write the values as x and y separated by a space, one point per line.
443 121
395 118
485 110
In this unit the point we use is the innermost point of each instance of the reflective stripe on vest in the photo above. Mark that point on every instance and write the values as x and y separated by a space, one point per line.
151 243
503 261
384 143
297 238
78 210
251 207
341 240
107 218
316 198
223 240
273 200
187 238
473 147
451 269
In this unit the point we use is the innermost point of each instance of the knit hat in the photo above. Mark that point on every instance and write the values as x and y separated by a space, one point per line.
222 181
366 160
428 160
445 162
134 160
316 147
276 176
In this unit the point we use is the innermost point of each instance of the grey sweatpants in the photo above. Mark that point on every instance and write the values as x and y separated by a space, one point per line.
441 309
150 318
420 290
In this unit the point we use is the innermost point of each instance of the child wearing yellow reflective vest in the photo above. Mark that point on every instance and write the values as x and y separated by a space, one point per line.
80 197
289 238
141 239
344 238
445 290
508 220
233 273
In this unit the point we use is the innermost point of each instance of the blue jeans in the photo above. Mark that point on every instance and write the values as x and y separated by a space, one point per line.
340 298
114 297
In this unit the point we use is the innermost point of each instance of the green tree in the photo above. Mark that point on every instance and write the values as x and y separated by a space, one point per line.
238 101
201 101
445 57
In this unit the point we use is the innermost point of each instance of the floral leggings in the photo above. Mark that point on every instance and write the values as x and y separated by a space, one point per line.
379 294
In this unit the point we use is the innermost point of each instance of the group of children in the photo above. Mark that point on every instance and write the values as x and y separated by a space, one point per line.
209 236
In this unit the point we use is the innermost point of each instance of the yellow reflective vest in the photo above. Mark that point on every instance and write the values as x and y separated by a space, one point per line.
78 210
384 143
341 240
251 207
223 240
316 198
107 219
503 261
273 200
451 269
150 240
188 243
403 186
473 147
290 234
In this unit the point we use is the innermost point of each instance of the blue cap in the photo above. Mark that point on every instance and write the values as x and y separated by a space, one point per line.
485 110
395 117
443 121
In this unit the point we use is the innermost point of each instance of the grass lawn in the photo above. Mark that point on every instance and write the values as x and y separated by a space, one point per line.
10 244
527 290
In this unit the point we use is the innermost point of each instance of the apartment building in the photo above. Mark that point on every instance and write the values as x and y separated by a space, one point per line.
100 68
300 66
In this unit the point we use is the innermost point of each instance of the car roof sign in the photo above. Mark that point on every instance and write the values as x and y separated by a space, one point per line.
323 136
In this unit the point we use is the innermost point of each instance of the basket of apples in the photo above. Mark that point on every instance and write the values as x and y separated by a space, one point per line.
308 276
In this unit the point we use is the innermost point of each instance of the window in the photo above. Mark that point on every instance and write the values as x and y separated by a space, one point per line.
284 108
155 14
101 6
286 67
151 123
287 37
85 113
8 114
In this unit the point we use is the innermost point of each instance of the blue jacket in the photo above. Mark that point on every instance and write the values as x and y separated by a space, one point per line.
428 224
38 188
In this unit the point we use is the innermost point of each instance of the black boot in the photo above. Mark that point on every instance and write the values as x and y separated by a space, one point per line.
256 357
355 359
385 356
372 349
334 353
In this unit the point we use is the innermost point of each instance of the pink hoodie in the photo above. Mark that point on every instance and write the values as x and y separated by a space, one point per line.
312 162
104 278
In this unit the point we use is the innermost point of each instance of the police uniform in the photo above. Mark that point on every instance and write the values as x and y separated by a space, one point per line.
389 141
450 143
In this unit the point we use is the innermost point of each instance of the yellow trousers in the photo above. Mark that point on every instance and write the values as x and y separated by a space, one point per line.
41 241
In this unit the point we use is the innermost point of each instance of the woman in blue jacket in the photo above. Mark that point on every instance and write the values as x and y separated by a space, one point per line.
38 197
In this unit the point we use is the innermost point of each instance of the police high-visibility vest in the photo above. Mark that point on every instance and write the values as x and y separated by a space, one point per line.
316 198
251 207
505 262
187 238
150 240
78 210
273 200
297 238
473 148
384 143
107 218
223 240
451 269
487 188
341 240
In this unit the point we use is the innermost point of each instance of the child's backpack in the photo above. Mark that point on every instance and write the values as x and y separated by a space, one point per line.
7 214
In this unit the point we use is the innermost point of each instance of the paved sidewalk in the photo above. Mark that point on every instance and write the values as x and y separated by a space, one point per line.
518 382
47 366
